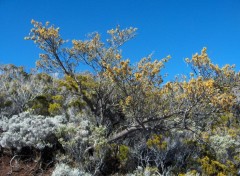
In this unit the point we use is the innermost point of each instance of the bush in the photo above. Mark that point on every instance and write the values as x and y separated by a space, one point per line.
65 170
25 130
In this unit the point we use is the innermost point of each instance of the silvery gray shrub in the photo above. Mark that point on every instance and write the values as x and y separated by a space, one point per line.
28 130
62 169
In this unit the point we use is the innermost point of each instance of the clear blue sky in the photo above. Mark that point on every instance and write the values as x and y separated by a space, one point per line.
176 27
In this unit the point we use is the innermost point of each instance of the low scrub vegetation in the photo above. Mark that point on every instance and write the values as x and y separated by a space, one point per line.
120 118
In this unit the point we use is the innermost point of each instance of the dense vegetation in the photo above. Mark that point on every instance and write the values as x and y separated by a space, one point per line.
119 118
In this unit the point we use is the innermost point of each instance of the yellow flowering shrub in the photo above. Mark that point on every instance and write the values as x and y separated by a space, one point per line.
212 167
126 102
203 66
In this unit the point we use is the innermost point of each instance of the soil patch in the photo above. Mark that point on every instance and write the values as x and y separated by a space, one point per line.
17 166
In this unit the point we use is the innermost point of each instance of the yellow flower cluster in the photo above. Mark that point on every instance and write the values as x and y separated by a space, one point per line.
118 56
201 59
145 75
128 100
138 76
228 70
121 70
209 83
215 68
88 46
223 100
118 34
199 88
147 68
203 63
47 37
45 32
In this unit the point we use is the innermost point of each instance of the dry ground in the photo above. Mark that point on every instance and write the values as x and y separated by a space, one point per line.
14 166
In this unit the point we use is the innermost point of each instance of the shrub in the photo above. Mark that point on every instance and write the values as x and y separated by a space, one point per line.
221 144
65 170
28 130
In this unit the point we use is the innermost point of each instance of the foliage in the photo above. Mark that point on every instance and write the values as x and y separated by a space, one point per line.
121 117
20 91
65 170
25 130
212 167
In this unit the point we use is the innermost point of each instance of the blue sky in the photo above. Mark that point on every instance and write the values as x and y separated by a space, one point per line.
178 28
